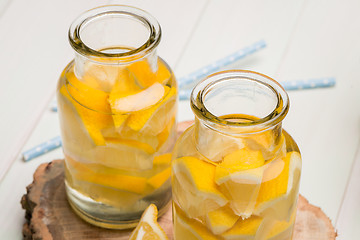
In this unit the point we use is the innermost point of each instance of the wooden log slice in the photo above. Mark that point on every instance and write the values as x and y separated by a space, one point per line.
50 217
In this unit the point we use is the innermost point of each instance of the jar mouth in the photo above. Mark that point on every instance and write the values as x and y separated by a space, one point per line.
239 93
112 13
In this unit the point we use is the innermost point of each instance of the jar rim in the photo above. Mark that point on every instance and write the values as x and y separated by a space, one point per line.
144 17
197 101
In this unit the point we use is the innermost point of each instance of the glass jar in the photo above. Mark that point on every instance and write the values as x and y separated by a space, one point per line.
235 172
117 104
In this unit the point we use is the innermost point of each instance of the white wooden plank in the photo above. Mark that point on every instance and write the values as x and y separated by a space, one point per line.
325 122
34 50
230 25
12 186
177 20
348 221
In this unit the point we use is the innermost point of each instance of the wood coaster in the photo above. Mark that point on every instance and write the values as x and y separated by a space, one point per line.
50 217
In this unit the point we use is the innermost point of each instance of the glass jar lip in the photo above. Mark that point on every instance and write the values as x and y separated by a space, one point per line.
202 88
146 18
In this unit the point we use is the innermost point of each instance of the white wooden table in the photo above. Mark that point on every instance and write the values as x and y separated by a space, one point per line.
305 39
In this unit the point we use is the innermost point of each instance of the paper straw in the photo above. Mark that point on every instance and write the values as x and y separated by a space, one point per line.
184 94
42 149
211 68
309 84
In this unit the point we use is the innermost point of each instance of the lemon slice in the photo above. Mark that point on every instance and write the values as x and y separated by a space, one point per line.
101 76
282 207
194 186
162 100
124 86
277 181
206 137
268 142
189 229
124 154
164 159
243 229
166 133
148 228
124 182
239 177
138 101
160 178
91 105
221 220
146 76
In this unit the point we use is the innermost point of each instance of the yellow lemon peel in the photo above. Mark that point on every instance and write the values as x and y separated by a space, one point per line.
148 228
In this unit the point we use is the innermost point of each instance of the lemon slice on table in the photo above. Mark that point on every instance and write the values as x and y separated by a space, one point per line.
91 105
189 229
148 228
239 178
194 186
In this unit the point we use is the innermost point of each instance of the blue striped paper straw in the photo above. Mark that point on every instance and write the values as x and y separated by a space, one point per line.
184 94
211 68
309 83
42 149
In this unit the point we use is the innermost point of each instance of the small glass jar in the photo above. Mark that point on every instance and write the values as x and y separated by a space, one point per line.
117 103
235 172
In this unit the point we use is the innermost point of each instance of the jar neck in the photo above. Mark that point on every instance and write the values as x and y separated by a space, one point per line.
236 109
108 39
117 32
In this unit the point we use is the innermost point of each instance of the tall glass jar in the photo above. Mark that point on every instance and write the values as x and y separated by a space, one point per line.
235 172
117 104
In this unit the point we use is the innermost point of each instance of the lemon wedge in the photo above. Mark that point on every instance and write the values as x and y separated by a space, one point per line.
194 186
145 74
148 228
164 159
124 86
282 207
162 101
243 229
124 154
189 229
138 101
123 182
101 76
206 137
160 178
275 183
91 105
221 219
239 178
